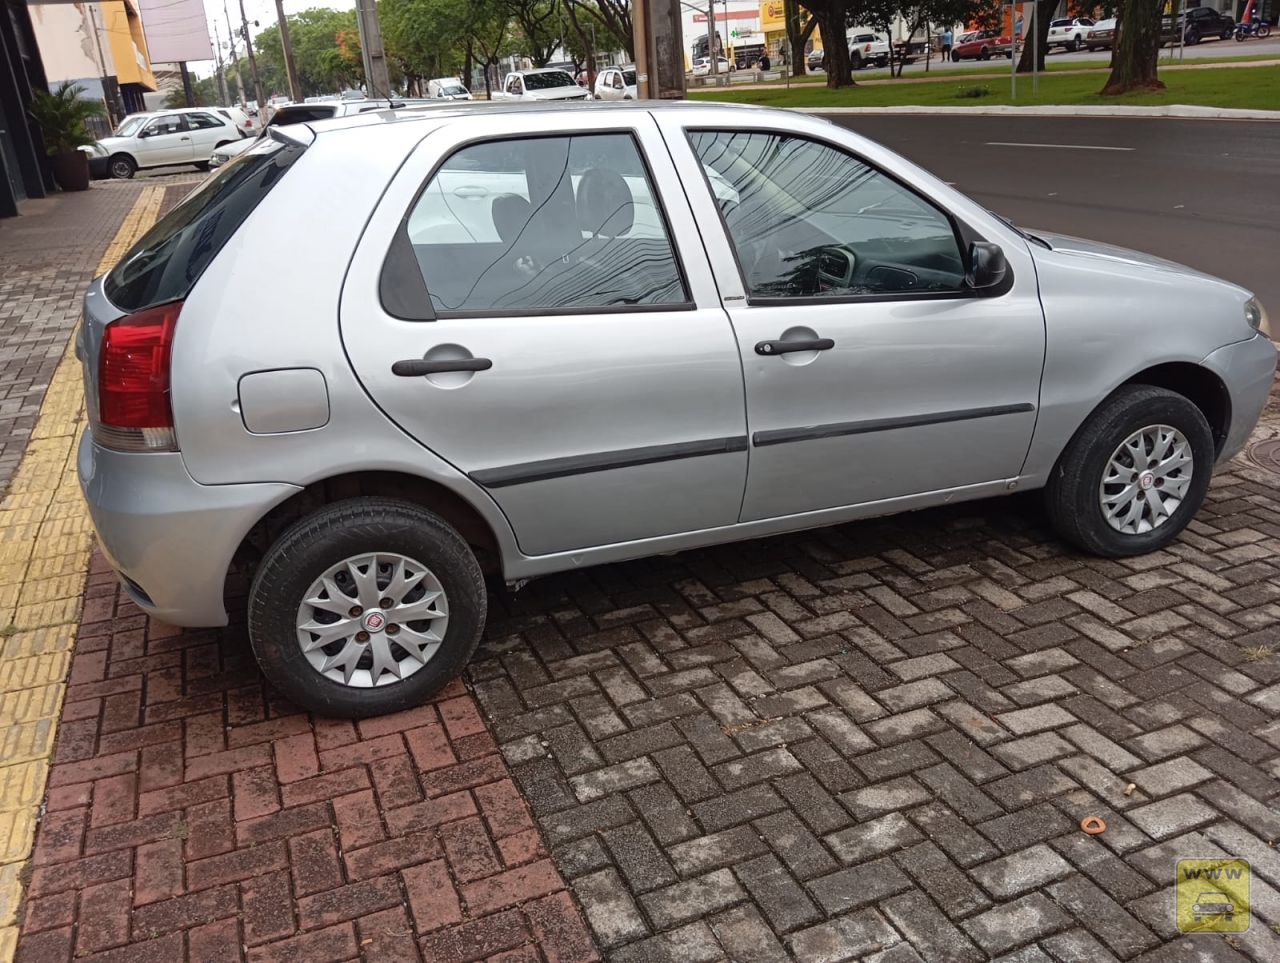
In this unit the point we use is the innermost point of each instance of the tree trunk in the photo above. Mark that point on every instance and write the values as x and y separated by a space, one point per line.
834 44
1138 50
797 37
1044 16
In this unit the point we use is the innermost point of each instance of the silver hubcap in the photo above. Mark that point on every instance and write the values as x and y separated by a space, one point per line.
1146 479
372 620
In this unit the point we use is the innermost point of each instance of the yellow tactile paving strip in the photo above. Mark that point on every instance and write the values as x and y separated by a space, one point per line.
45 543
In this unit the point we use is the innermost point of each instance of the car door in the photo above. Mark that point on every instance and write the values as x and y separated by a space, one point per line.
164 140
547 322
872 371
207 132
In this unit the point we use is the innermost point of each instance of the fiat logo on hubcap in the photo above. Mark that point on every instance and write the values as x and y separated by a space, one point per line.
374 621
1146 480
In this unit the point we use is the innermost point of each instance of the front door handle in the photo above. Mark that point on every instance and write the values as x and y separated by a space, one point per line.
186 138
785 347
417 367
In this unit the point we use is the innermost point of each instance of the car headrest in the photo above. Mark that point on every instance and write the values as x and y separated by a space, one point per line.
605 206
511 213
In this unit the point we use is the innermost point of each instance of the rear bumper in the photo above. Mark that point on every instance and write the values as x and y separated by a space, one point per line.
169 538
1248 369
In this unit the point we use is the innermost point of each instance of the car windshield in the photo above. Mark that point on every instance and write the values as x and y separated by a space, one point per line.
130 125
452 87
548 81
629 78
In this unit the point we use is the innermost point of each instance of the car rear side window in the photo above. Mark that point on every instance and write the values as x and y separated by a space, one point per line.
168 260
543 224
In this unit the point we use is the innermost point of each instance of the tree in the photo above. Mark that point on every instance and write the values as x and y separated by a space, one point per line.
1033 53
204 92
1138 49
611 15
800 27
487 28
832 19
539 23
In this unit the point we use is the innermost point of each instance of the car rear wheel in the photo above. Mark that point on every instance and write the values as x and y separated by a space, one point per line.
1071 46
122 167
1134 475
365 607
1192 37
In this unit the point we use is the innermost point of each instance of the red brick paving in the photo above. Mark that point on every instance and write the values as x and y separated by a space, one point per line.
193 815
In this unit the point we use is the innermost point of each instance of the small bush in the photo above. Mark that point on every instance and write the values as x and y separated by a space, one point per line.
974 92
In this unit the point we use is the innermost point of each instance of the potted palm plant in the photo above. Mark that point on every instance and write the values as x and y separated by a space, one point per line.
61 116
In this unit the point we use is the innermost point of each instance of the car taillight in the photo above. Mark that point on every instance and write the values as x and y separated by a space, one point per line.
868 48
134 413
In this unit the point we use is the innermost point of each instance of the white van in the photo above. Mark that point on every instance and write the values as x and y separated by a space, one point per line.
447 88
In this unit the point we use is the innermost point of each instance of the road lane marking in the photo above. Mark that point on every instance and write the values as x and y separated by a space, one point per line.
1003 143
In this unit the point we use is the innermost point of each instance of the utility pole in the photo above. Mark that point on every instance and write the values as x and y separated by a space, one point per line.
186 84
253 65
231 39
377 82
290 68
658 48
223 94
711 39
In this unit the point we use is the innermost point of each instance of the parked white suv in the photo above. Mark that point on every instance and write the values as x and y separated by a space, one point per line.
616 83
1070 33
167 138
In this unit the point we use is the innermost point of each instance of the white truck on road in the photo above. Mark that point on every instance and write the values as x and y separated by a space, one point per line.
546 83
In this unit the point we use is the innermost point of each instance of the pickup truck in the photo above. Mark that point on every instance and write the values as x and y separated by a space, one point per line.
1069 32
546 83
866 49
982 45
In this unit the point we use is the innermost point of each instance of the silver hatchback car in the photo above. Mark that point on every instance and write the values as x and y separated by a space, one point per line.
526 340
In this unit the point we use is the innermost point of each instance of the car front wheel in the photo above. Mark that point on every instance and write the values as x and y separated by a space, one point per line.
365 607
1134 474
122 167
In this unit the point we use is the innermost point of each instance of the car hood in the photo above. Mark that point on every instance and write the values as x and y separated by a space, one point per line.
1079 247
556 93
115 143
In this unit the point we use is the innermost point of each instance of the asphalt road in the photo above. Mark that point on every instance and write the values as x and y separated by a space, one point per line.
1202 193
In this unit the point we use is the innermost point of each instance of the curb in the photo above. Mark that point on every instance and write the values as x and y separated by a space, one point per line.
1177 111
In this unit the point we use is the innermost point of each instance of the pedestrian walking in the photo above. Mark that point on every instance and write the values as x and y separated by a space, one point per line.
946 43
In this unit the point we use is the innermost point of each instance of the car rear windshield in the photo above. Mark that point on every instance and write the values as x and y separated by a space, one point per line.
304 114
168 260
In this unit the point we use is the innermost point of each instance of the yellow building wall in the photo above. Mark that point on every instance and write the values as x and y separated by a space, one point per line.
124 32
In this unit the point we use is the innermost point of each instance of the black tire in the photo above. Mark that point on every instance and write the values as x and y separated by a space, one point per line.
955 57
326 537
1264 31
855 61
1226 33
984 54
1071 46
1071 496
202 165
1192 37
122 167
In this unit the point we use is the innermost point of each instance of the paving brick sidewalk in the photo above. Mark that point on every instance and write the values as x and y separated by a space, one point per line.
192 815
877 741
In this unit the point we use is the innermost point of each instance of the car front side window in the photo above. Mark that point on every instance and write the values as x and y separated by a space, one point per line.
549 223
808 220
167 124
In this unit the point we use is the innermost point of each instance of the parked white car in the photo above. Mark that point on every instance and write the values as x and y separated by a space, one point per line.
702 66
168 138
616 83
866 49
447 88
546 83
1070 33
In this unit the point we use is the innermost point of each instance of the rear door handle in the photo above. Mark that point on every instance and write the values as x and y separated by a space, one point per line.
470 192
417 367
768 348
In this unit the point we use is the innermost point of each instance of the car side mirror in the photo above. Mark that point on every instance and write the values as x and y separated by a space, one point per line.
987 266
144 133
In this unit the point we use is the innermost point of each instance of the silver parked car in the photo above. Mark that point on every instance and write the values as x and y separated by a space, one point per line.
536 339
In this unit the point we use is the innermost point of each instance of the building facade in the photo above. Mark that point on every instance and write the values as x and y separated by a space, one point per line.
23 171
